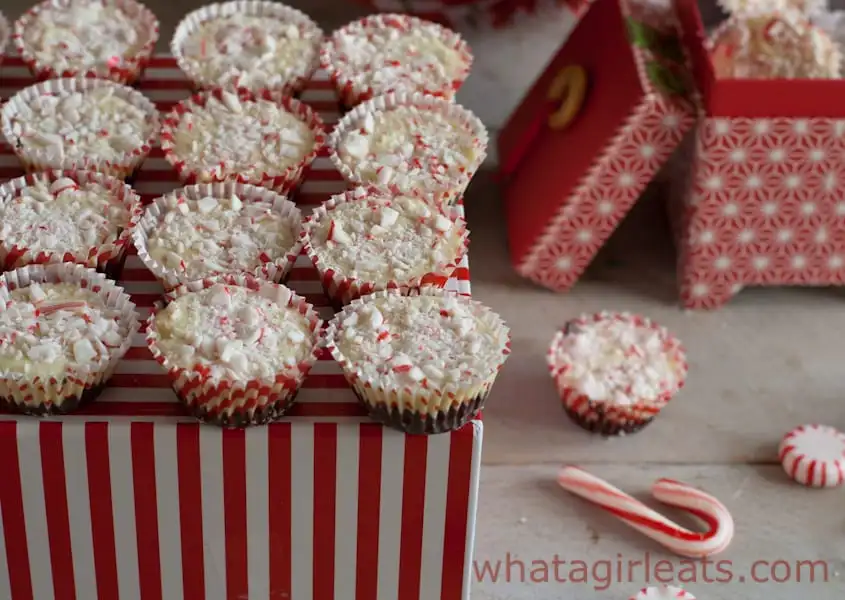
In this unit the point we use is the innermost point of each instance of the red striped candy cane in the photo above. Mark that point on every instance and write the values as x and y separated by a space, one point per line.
681 541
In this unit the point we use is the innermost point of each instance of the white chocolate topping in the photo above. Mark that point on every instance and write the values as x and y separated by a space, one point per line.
617 361
250 51
49 329
212 235
94 124
385 58
410 148
384 238
79 35
428 341
62 216
233 332
245 137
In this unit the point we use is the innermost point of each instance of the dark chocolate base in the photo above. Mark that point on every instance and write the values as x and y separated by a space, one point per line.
114 268
42 410
595 421
410 422
266 414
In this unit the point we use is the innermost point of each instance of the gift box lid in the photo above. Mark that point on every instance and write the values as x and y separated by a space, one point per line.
629 60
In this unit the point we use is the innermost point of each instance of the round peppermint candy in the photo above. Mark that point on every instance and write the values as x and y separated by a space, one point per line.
663 592
814 455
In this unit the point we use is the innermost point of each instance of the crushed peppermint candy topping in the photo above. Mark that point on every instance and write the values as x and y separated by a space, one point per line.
385 238
213 235
617 361
775 46
382 56
62 216
231 332
79 35
93 124
48 329
250 51
243 137
410 148
425 341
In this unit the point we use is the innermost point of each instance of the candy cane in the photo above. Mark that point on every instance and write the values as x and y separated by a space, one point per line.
681 541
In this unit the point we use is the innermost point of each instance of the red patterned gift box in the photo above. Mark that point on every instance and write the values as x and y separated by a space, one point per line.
765 196
129 497
567 188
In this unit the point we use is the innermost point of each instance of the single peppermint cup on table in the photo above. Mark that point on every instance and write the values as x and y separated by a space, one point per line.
615 371
78 123
367 239
410 143
63 330
205 230
236 348
108 39
248 44
423 363
67 216
389 52
267 139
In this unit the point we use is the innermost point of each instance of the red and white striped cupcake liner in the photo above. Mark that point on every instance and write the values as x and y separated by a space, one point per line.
126 70
281 183
608 418
107 258
342 289
237 403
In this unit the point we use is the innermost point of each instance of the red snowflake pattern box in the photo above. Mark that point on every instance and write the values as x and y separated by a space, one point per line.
595 128
130 498
764 199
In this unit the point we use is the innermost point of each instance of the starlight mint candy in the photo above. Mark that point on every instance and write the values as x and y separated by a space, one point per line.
236 348
814 455
663 592
410 143
615 372
422 363
366 240
390 52
80 124
248 44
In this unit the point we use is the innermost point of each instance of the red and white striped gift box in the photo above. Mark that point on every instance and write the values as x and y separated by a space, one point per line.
130 498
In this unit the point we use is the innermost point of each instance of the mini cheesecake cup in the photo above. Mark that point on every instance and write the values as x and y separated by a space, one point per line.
281 183
107 258
297 76
126 70
419 409
276 271
352 92
238 403
39 160
606 417
58 395
342 289
475 130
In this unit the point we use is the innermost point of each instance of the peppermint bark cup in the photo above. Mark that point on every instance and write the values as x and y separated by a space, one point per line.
390 52
423 363
264 139
236 348
207 230
366 240
248 44
77 123
67 216
615 371
63 330
410 144
104 39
